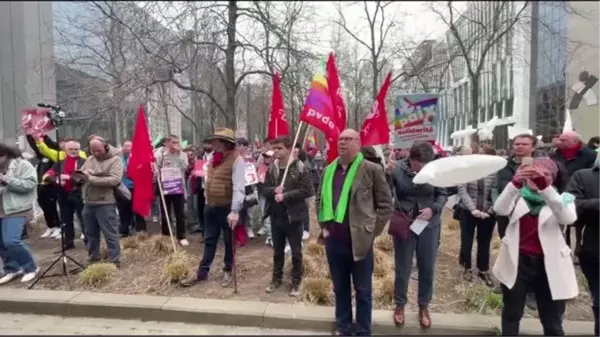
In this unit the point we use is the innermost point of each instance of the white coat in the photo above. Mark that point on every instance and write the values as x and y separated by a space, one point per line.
557 255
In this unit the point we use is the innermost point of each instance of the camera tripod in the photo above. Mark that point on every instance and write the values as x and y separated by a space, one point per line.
55 116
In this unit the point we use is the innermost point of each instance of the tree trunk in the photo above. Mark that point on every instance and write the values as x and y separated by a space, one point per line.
375 78
474 120
230 120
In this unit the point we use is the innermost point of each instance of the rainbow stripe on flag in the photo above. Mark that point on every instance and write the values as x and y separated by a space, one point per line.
318 95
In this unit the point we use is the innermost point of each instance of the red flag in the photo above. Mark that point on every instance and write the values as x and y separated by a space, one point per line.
335 92
139 168
278 126
375 130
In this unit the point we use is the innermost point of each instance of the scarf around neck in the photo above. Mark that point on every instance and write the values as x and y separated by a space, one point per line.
327 212
534 200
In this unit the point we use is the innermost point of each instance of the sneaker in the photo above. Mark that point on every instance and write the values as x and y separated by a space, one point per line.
82 237
273 286
288 250
305 235
55 233
250 233
269 242
184 242
10 276
262 231
30 276
296 290
154 219
46 233
227 279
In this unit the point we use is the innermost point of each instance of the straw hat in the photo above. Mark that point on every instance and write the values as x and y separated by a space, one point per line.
223 134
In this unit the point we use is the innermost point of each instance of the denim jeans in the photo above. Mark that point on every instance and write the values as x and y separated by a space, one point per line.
590 267
215 221
531 277
343 270
262 203
97 219
425 246
15 253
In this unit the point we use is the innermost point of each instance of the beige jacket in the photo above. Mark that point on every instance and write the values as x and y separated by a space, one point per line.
106 175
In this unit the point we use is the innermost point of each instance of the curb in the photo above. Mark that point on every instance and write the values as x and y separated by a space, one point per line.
245 313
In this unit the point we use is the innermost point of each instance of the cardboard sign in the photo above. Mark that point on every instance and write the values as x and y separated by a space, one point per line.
251 175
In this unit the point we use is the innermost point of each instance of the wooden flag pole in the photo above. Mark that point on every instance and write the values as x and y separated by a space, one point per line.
287 166
166 211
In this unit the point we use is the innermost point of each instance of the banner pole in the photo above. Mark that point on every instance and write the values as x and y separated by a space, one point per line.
287 166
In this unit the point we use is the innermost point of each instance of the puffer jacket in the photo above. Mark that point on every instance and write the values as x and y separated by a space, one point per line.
106 175
475 197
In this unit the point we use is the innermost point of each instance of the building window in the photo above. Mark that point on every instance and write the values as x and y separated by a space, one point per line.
509 107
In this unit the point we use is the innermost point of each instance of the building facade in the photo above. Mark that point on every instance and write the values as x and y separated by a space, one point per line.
26 65
582 70
527 74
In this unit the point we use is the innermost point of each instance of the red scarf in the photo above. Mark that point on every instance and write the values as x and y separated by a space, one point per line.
570 152
217 158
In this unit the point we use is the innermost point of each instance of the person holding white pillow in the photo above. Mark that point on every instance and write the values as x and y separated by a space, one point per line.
534 256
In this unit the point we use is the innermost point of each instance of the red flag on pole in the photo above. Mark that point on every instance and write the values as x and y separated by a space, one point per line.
335 92
375 128
139 168
278 125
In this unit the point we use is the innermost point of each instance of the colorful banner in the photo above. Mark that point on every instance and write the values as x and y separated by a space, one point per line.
415 119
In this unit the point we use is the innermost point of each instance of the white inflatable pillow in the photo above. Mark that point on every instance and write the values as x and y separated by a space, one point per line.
452 171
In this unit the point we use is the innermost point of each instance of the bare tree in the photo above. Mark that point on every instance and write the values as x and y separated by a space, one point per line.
216 25
474 33
382 26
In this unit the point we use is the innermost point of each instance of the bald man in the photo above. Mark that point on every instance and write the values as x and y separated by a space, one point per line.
353 206
102 173
573 153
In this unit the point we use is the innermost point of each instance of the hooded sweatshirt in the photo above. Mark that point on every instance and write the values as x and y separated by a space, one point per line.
105 175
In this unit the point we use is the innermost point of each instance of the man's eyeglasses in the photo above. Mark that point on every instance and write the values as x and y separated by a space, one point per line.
347 139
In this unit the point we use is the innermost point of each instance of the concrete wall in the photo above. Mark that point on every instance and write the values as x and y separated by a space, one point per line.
583 41
26 66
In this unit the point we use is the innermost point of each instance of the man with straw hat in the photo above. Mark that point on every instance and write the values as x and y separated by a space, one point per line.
224 193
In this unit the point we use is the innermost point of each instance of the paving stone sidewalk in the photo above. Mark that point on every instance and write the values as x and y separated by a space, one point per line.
19 324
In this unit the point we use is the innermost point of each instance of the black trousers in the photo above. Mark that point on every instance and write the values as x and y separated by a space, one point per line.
71 204
281 231
531 277
46 198
590 266
175 203
129 219
485 230
502 224
200 208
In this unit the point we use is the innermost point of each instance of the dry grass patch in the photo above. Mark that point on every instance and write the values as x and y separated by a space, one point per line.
176 268
383 290
130 243
160 245
385 242
97 274
317 291
314 250
452 225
